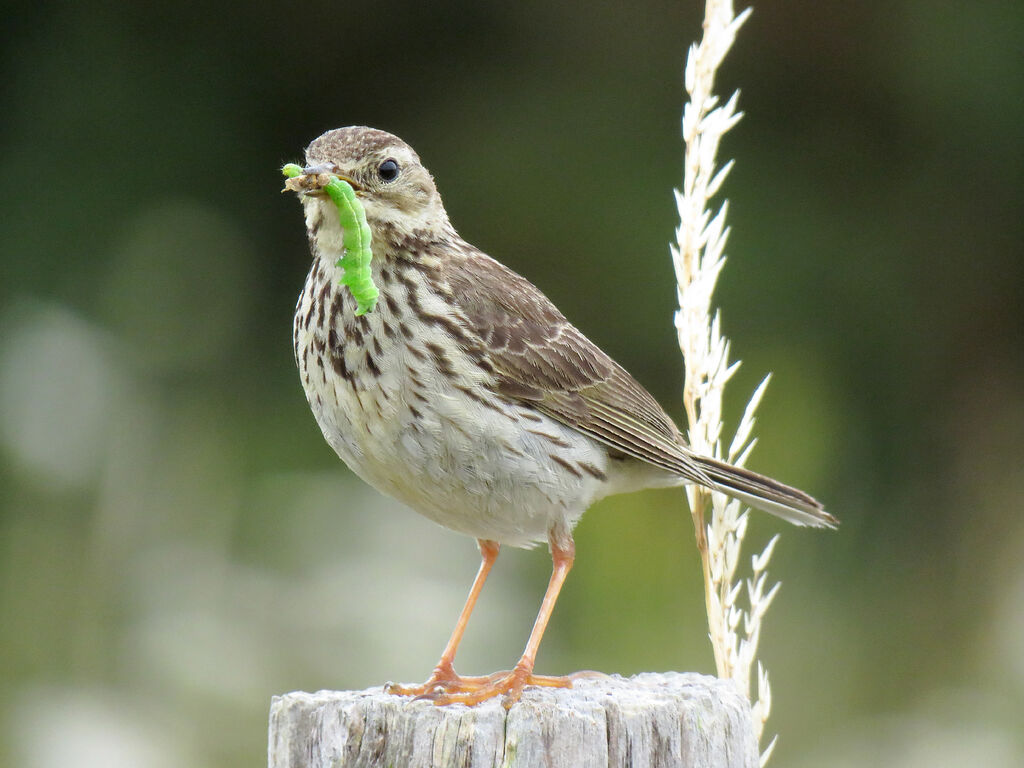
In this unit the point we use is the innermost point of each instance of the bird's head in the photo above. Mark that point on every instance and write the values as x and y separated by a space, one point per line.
396 191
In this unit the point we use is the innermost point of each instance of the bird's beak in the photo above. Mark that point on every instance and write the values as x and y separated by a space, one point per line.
328 168
315 177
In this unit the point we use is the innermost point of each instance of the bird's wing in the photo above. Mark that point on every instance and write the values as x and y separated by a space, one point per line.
541 358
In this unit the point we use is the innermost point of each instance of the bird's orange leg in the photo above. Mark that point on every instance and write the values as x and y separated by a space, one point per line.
511 683
444 676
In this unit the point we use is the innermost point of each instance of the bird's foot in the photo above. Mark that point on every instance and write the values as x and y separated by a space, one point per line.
444 679
474 690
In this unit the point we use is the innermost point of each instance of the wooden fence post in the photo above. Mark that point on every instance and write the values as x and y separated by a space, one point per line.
666 720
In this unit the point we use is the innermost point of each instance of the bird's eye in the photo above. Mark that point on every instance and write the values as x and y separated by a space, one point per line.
388 170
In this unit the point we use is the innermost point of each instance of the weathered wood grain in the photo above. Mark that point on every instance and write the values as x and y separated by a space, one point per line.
664 720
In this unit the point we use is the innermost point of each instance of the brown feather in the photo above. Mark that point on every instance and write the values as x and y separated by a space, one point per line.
540 357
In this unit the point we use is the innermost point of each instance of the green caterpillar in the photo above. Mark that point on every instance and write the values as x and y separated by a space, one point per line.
356 237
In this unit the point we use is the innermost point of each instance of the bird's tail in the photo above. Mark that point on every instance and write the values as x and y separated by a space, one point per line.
766 494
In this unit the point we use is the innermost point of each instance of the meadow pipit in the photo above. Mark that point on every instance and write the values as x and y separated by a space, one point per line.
468 396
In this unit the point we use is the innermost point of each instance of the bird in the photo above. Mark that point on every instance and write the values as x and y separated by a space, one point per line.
467 395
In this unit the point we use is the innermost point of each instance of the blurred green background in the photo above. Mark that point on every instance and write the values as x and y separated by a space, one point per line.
178 543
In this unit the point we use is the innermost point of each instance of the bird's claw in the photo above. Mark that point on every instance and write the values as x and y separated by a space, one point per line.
454 689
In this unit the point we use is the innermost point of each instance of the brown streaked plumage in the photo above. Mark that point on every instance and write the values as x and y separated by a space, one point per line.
467 395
